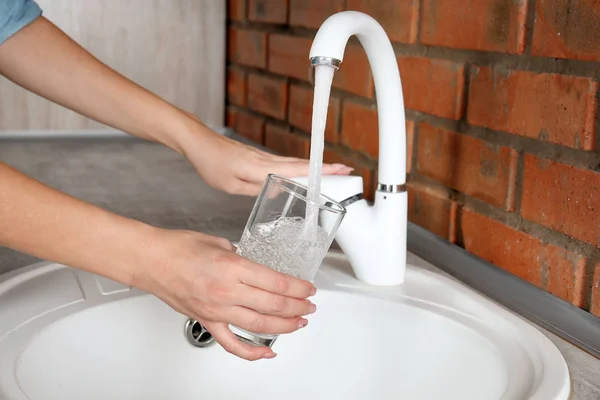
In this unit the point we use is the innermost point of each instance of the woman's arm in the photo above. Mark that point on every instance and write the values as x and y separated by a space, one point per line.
51 225
44 60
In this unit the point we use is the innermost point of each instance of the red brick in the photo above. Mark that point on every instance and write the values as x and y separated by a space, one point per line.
289 56
236 10
248 47
551 107
567 29
360 128
301 109
285 143
231 117
410 140
399 18
354 75
595 308
566 275
250 126
469 165
557 270
236 86
492 25
267 95
273 11
511 250
312 13
563 198
332 156
433 86
432 210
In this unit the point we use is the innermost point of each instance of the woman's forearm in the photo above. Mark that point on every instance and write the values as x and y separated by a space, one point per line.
51 225
44 60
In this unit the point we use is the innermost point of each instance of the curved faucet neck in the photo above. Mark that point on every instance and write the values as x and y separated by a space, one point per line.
330 42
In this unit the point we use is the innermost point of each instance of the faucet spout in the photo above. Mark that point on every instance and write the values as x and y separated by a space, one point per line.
328 48
372 236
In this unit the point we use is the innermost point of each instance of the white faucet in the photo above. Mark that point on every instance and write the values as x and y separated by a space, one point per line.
373 237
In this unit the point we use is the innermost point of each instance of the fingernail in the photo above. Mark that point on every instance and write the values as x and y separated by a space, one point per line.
338 166
312 308
314 291
270 355
302 323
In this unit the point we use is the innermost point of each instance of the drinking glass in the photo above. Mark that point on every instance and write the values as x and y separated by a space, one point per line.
279 236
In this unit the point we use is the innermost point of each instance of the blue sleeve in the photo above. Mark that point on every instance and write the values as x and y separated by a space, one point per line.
16 14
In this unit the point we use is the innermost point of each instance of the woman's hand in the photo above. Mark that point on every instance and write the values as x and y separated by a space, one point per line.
196 274
201 277
236 168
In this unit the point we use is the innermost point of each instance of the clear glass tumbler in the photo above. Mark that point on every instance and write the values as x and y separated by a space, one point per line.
279 236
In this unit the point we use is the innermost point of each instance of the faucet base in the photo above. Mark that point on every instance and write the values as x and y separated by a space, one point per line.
373 237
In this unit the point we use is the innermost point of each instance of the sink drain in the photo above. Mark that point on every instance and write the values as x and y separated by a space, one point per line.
197 334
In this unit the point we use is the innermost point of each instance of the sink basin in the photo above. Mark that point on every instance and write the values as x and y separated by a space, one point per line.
66 334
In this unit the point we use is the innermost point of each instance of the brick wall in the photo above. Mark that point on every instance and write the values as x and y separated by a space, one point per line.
502 109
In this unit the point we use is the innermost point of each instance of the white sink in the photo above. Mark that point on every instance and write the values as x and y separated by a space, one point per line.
68 335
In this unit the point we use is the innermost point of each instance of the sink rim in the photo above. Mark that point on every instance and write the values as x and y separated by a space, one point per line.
556 382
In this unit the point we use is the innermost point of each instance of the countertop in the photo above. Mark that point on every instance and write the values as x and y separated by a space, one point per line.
153 184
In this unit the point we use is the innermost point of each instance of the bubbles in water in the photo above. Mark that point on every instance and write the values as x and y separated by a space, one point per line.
282 246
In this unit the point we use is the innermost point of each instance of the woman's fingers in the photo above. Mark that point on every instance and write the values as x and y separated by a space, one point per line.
271 303
263 323
264 278
251 185
289 168
303 165
296 169
233 345
335 169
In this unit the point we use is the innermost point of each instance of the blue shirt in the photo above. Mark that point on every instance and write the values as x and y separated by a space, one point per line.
16 14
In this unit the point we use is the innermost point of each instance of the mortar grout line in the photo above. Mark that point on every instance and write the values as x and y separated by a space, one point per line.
415 147
589 283
529 26
518 184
